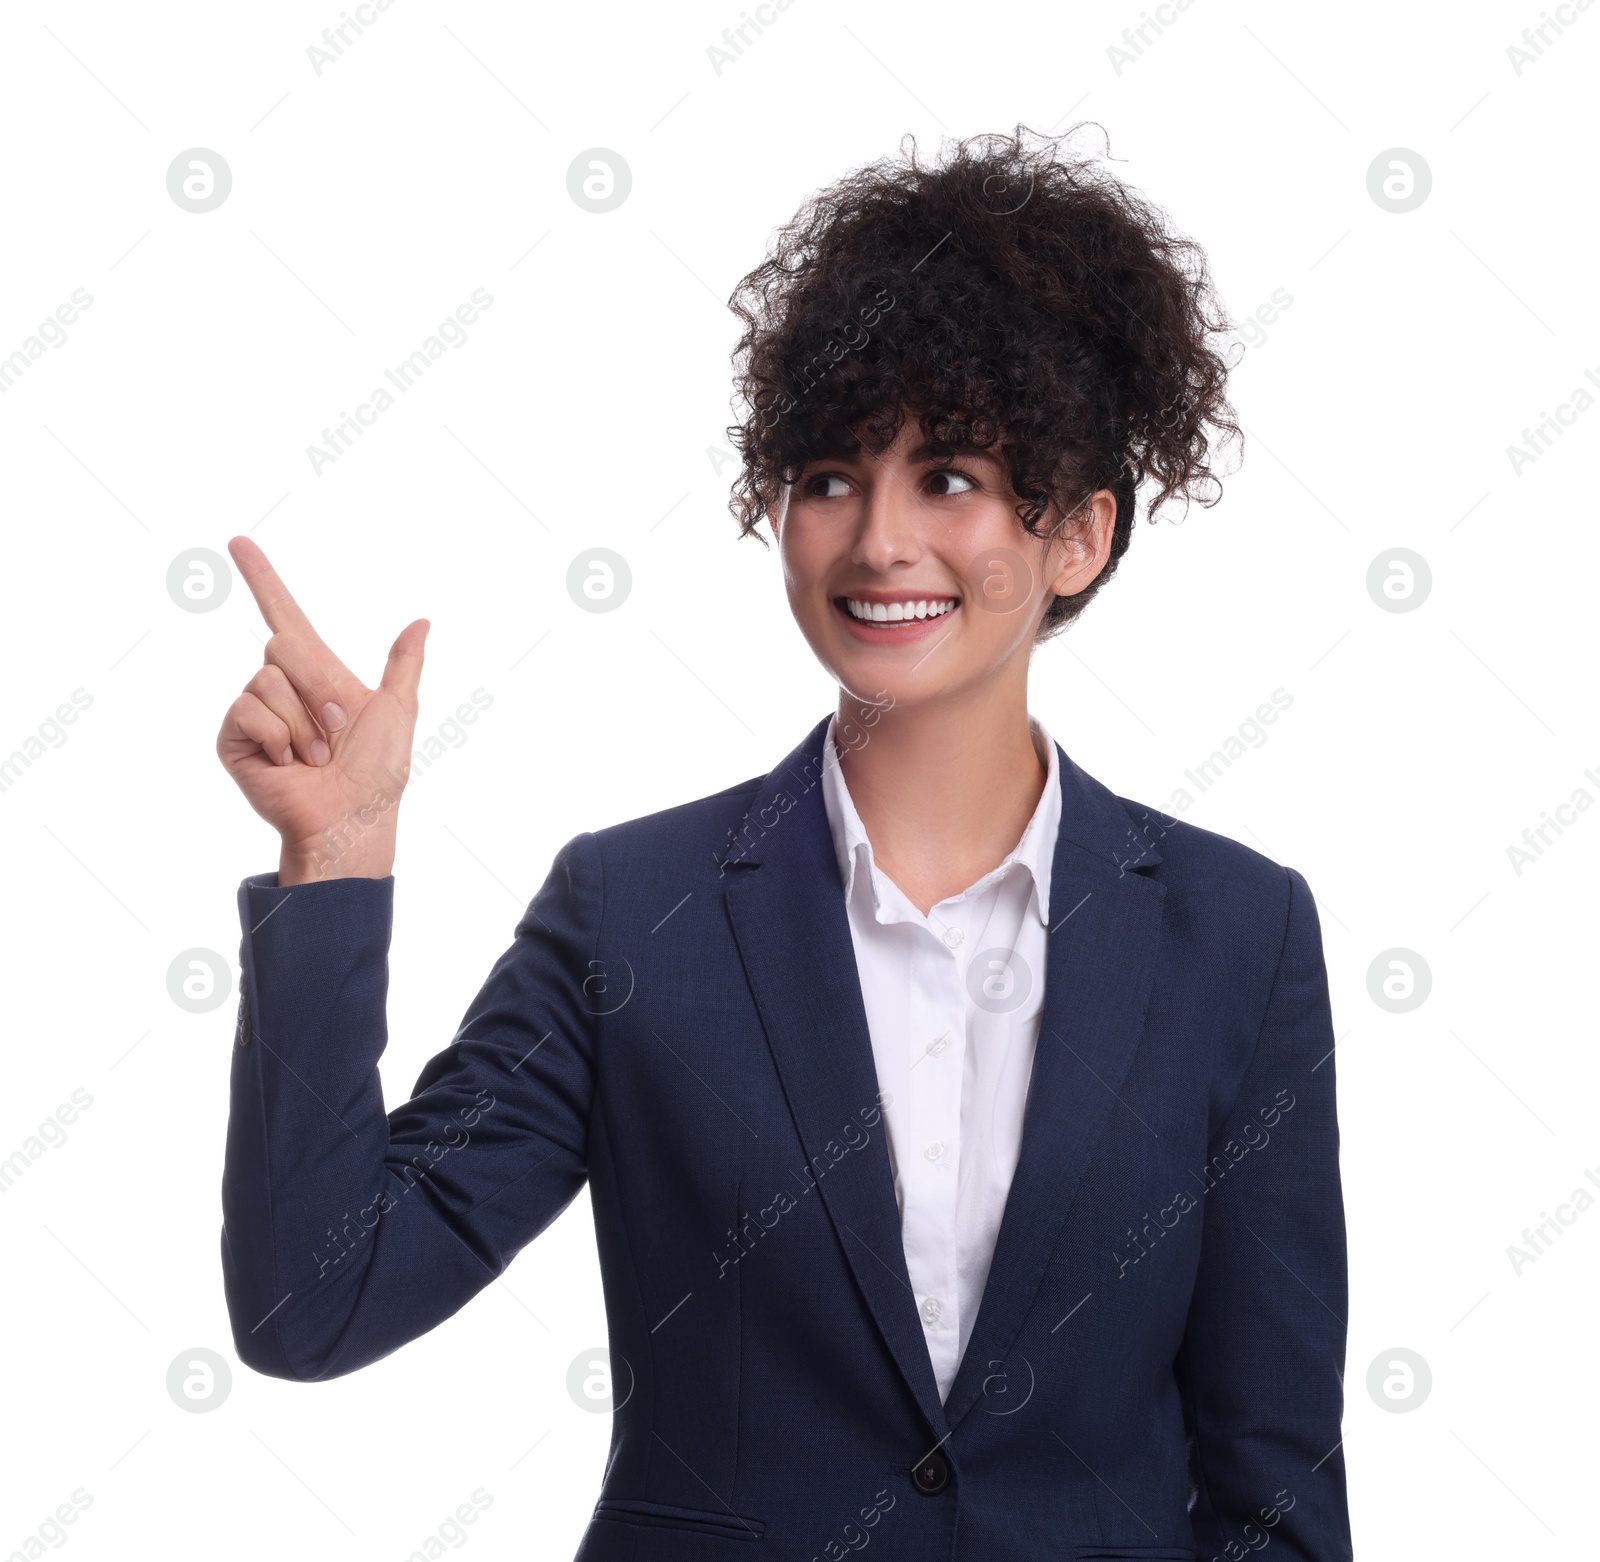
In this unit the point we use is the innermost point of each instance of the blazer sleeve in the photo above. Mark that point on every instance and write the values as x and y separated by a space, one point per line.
348 1231
1261 1368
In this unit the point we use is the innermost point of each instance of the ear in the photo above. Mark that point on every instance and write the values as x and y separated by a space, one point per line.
1085 544
779 512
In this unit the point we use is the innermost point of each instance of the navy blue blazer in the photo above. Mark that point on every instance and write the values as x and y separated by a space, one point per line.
1156 1368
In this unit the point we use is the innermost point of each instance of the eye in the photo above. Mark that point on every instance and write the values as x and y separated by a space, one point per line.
813 491
945 476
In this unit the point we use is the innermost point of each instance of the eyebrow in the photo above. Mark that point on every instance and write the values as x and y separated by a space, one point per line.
927 452
923 452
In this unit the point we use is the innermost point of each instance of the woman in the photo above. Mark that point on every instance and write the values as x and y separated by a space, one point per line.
961 1137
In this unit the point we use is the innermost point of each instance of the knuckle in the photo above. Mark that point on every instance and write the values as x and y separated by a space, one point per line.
270 681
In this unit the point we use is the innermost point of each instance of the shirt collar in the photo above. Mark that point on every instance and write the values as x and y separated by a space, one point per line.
1034 852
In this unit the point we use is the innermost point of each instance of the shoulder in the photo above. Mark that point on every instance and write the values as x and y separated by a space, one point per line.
1189 850
671 842
614 874
696 838
705 818
1233 886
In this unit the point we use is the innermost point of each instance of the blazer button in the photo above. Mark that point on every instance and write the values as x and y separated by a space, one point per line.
932 1475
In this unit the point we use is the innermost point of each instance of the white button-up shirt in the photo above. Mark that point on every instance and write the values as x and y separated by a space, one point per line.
953 1001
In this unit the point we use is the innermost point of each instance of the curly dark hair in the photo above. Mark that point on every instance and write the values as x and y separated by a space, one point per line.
1008 294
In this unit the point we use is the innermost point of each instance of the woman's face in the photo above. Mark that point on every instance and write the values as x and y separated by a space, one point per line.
911 576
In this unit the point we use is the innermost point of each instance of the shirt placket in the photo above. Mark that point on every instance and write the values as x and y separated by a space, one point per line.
938 1042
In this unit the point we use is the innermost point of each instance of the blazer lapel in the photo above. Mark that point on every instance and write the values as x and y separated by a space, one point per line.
786 903
1105 924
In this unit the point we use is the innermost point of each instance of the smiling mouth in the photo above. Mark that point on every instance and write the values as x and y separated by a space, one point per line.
867 611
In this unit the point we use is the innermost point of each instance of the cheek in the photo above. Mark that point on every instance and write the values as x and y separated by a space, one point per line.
1005 578
1007 586
797 567
999 580
1000 631
808 552
805 562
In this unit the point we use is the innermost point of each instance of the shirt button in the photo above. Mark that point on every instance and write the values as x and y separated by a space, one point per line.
954 937
934 1151
931 1309
937 1046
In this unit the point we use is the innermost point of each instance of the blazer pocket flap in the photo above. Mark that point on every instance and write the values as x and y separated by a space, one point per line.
1101 1552
726 1525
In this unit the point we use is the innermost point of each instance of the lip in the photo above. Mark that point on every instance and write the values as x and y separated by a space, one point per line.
906 630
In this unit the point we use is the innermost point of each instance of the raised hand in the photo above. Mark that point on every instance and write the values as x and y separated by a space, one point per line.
320 756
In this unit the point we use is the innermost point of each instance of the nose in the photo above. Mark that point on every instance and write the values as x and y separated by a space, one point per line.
888 535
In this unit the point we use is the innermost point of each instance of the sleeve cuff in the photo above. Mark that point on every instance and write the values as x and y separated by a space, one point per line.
300 946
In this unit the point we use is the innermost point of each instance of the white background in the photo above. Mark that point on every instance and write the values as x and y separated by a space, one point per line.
587 408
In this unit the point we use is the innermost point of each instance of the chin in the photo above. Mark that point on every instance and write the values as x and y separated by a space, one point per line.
895 682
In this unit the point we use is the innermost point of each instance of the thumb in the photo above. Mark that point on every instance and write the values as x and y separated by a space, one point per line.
403 671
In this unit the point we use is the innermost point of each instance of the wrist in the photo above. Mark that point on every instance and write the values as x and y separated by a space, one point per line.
368 854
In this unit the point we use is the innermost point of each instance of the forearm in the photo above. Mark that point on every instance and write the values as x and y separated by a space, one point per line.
348 1231
307 1135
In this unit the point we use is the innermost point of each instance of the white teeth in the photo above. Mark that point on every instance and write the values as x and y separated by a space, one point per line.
898 612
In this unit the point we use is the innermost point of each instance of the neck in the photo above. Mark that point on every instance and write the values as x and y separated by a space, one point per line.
944 788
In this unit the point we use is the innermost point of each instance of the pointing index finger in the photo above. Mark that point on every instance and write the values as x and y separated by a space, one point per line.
280 610
283 613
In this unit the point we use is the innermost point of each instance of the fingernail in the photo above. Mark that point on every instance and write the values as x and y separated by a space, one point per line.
332 716
287 757
320 752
